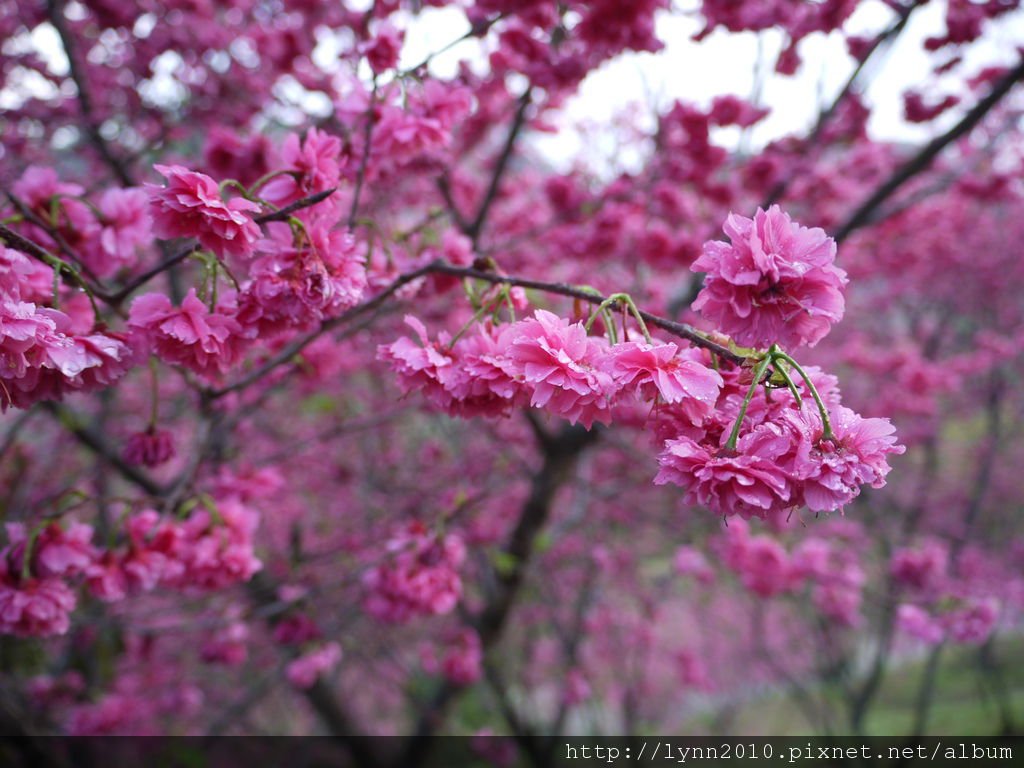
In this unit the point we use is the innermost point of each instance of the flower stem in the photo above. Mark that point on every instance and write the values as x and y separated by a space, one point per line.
826 422
759 370
775 351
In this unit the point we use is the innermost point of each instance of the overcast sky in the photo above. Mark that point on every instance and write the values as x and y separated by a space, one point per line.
696 72
726 62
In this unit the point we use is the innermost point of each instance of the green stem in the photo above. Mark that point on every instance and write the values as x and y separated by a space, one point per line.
759 370
618 298
242 190
267 177
609 322
601 310
484 309
639 318
826 422
781 370
30 544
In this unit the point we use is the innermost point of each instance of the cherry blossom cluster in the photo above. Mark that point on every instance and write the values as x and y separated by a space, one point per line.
294 273
303 671
829 566
735 447
104 233
35 597
776 283
940 601
46 353
209 549
548 362
419 577
462 660
782 458
300 273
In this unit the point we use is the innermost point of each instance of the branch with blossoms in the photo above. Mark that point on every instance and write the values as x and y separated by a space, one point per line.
745 442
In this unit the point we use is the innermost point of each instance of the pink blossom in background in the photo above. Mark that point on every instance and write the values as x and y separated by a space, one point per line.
462 662
34 607
919 624
421 578
126 227
690 561
973 623
150 448
921 568
304 671
383 49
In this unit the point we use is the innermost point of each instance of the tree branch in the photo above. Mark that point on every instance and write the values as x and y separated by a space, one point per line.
477 225
923 159
55 11
560 452
90 438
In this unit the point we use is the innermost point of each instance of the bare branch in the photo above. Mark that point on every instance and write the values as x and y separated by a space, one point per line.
923 159
55 10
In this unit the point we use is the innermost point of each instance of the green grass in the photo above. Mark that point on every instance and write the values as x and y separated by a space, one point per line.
962 704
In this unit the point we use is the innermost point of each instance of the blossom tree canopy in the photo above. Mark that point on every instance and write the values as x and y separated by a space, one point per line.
331 404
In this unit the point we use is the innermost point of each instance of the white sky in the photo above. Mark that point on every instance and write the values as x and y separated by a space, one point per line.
696 72
726 62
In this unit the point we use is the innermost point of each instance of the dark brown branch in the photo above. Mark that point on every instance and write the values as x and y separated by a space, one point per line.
55 10
477 225
298 205
682 330
365 159
70 276
90 438
923 159
148 275
444 187
30 216
826 115
560 452
263 594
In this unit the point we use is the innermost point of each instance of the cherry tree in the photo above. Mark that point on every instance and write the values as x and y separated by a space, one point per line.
332 407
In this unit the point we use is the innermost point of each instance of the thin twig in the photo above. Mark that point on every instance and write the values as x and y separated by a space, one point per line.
477 225
90 438
923 159
826 115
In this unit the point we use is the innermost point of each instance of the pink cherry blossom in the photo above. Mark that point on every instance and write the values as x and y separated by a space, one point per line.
746 484
304 671
150 448
919 624
973 623
125 226
920 568
775 283
462 663
191 335
191 205
34 607
421 578
562 367
673 375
